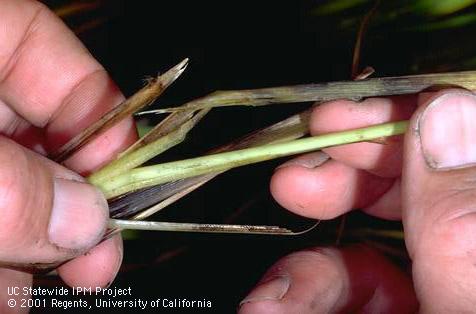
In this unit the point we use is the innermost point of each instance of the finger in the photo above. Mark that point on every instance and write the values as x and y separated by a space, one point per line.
389 205
36 77
86 104
15 127
438 200
382 160
355 279
44 216
325 191
12 283
65 92
105 259
58 85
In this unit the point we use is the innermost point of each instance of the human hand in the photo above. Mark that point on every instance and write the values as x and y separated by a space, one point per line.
426 179
50 89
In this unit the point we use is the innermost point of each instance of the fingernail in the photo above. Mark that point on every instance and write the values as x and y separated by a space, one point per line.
273 289
448 131
78 216
310 161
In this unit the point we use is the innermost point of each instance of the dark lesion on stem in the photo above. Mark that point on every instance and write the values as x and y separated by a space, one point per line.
321 92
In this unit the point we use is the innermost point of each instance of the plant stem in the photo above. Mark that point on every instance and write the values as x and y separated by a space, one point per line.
141 155
152 175
145 202
192 227
137 157
136 102
382 86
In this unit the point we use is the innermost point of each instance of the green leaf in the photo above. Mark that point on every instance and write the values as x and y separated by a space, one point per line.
452 22
442 7
331 7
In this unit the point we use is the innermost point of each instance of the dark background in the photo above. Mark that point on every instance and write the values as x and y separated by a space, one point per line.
235 45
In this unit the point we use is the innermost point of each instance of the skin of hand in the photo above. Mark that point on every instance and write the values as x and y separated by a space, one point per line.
50 89
427 179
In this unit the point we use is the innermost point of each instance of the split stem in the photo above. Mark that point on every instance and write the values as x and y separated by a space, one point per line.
152 175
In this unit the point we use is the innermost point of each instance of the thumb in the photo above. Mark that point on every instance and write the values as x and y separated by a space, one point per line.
47 213
439 201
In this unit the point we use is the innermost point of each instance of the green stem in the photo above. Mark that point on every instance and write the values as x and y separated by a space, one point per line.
137 157
152 175
143 154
